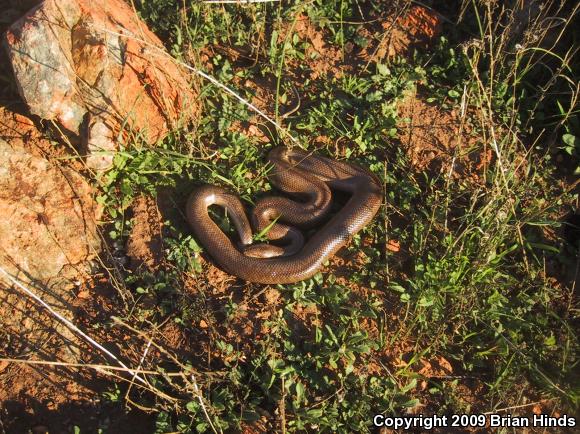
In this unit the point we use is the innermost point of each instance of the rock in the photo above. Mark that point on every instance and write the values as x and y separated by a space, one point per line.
48 217
48 234
96 69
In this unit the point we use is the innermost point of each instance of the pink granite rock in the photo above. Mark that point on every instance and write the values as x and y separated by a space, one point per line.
96 69
48 217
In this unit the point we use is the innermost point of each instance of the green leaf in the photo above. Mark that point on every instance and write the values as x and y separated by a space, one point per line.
412 384
543 246
202 427
192 406
287 370
349 369
315 413
383 69
397 288
261 236
299 392
453 93
570 140
411 403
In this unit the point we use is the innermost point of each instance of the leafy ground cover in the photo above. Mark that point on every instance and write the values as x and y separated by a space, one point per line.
460 297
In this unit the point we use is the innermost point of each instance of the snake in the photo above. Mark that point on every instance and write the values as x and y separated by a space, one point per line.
308 181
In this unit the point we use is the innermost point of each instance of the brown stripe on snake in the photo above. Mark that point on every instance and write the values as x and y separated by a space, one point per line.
308 179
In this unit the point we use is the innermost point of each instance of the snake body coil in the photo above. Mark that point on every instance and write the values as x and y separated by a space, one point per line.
308 179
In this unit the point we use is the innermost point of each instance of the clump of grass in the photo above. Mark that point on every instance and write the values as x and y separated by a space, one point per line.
479 291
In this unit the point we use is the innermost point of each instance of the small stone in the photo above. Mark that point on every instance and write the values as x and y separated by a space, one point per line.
393 246
84 294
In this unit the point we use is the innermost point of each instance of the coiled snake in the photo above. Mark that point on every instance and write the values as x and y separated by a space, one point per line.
309 180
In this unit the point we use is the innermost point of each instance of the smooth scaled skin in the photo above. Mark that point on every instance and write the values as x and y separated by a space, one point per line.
308 179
